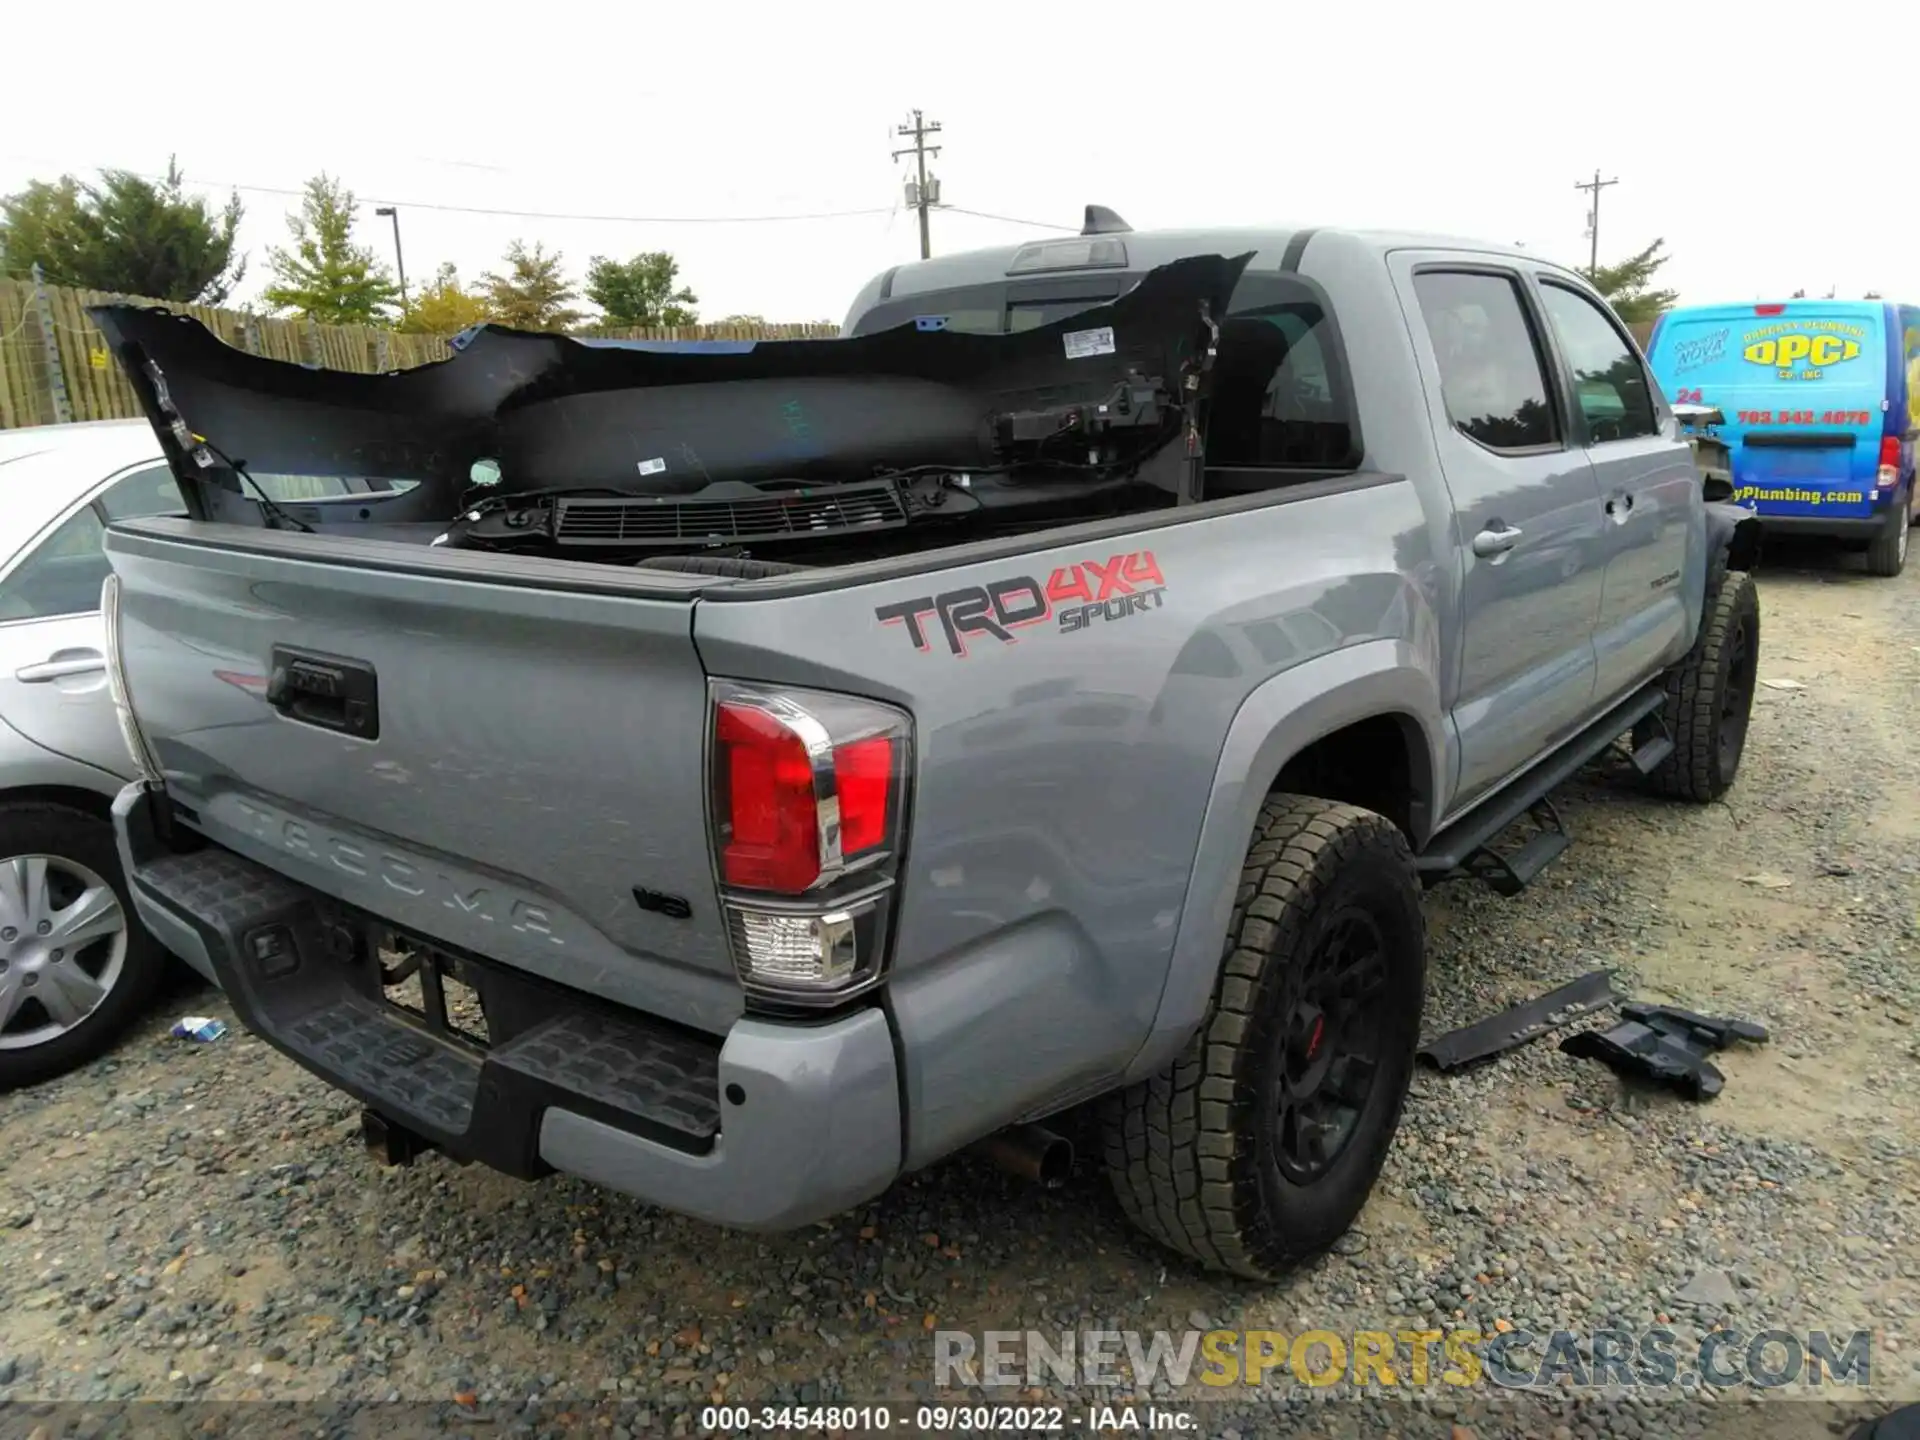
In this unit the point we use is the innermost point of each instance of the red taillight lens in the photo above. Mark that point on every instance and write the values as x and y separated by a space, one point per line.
1769 309
863 772
778 757
772 823
1890 453
810 792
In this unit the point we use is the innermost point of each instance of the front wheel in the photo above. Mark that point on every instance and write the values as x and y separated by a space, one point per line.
1260 1145
1710 695
75 964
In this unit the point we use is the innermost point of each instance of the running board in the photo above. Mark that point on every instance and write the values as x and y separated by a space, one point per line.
1464 849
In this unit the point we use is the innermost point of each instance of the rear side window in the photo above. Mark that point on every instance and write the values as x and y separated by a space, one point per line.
1608 379
1491 374
144 495
60 576
1278 397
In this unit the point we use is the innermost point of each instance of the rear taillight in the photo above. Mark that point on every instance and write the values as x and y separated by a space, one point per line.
809 795
1889 463
142 756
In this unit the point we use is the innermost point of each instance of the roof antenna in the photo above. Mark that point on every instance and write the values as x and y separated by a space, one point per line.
1102 221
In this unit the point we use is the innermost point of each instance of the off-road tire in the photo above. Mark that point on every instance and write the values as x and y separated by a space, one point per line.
1710 694
1887 555
1192 1152
36 827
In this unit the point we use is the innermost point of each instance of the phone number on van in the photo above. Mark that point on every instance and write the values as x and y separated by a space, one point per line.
1804 417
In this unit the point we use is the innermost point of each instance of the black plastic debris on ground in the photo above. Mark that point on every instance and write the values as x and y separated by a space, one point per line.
1665 1044
1484 1039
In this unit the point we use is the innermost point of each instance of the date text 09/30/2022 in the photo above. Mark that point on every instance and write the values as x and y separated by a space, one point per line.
946 1419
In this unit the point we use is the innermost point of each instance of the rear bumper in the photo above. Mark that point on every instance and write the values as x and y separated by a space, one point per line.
774 1126
1839 527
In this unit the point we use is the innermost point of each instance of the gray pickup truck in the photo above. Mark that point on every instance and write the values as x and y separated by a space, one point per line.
740 775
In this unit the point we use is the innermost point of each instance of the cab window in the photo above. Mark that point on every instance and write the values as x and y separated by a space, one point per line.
1609 381
1491 374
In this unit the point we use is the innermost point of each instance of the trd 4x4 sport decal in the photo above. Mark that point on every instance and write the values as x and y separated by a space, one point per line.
1074 597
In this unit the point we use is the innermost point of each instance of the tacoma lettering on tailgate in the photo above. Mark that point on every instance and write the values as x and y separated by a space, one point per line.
1073 597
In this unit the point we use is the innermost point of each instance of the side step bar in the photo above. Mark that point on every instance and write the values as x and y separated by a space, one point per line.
1464 849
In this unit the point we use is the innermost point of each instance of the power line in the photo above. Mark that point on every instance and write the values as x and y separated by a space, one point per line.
922 194
1012 219
1595 185
533 214
380 202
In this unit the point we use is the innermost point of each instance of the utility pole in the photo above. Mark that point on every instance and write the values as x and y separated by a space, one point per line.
1595 185
392 212
924 193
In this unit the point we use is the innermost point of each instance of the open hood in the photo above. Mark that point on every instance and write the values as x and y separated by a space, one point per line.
556 413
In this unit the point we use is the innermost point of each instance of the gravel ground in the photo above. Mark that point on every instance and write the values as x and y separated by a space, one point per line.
198 1221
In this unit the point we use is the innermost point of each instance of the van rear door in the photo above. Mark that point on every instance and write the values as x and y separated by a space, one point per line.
1802 385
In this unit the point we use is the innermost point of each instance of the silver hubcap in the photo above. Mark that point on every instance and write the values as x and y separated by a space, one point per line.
63 943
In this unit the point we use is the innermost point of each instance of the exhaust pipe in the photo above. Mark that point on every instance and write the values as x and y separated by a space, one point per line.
1031 1152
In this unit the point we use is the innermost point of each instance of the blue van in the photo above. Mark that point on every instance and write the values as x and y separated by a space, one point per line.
1822 406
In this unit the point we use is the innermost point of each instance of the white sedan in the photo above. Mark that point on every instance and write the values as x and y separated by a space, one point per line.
75 966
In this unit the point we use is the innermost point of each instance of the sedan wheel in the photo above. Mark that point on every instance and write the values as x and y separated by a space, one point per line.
75 964
63 947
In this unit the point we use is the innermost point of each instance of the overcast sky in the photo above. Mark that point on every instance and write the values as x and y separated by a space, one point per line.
1766 157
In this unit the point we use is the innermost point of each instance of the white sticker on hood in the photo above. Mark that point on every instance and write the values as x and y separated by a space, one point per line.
1083 343
653 466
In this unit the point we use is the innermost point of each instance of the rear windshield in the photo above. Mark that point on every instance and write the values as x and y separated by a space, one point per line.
1280 397
1814 352
999 308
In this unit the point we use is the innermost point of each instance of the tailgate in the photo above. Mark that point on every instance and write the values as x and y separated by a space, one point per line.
485 762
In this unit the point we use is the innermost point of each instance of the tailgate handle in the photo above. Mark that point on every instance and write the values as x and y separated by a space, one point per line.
326 691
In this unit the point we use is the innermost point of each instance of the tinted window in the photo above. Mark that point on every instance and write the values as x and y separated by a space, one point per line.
1490 371
994 309
62 575
1608 378
1277 399
144 494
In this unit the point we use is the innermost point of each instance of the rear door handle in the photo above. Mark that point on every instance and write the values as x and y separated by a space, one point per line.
1496 539
76 662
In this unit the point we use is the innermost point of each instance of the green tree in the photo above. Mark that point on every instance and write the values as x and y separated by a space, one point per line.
43 225
641 291
443 306
533 294
126 234
1628 286
323 275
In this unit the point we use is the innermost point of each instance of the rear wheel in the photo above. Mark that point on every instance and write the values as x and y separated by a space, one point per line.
1710 695
75 965
1887 555
1260 1145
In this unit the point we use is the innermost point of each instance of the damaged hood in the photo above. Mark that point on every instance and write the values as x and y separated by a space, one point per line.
555 412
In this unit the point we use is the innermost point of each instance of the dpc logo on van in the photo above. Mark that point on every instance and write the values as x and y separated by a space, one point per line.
1783 347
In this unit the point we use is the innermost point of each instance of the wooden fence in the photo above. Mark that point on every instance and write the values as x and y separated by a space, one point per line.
55 366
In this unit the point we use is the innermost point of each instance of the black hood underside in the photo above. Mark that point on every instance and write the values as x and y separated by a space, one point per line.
556 413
